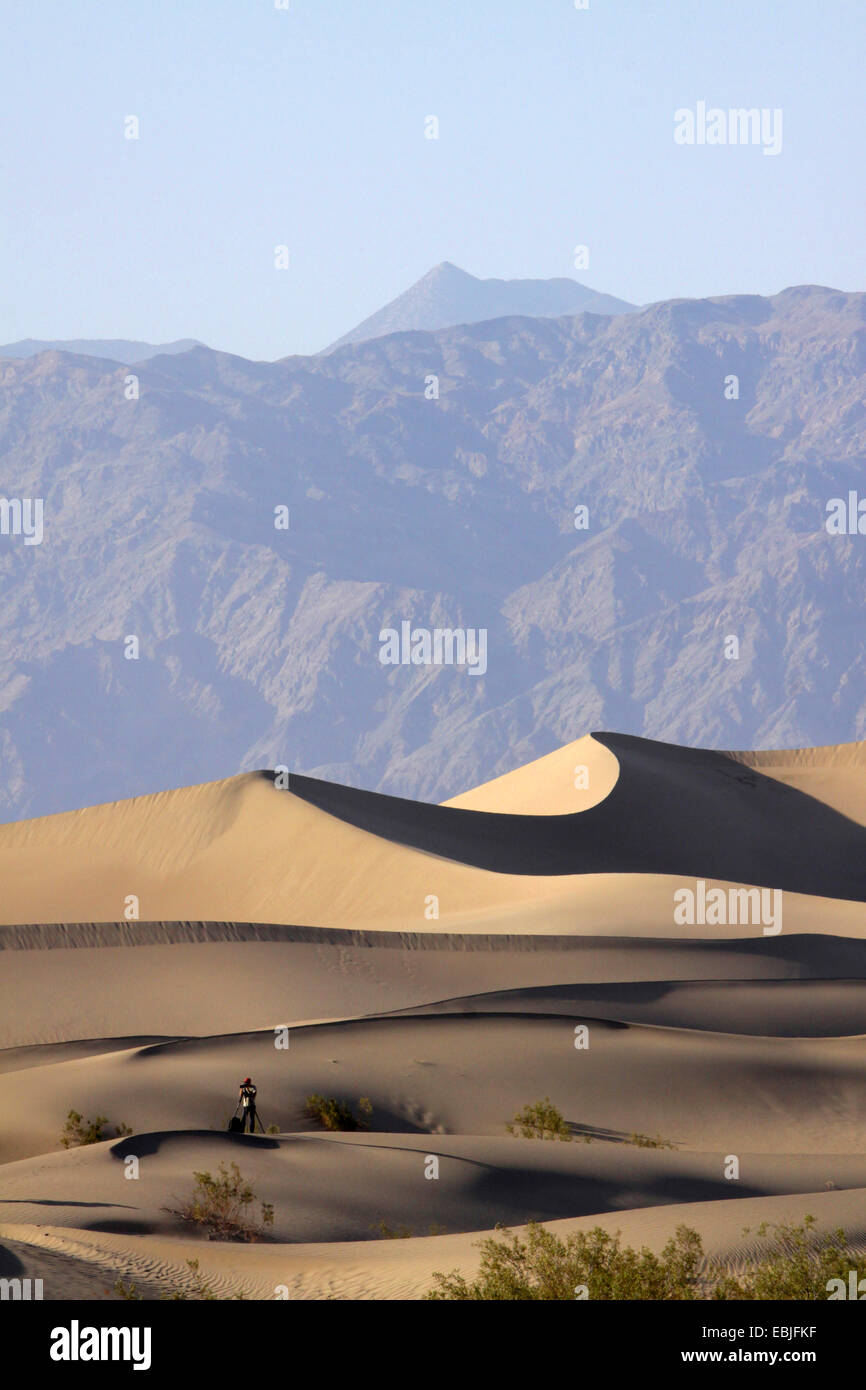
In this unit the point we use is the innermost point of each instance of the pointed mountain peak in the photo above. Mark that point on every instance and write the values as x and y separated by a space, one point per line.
447 296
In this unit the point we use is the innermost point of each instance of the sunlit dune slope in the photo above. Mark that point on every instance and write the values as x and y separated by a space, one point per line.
573 778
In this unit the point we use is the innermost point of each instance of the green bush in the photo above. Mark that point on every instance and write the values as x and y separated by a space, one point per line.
220 1205
334 1114
386 1232
540 1121
77 1131
799 1265
128 1291
645 1141
541 1266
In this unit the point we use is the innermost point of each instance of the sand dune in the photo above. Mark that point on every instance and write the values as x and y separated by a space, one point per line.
835 774
313 908
328 856
404 1268
677 811
760 1008
345 1187
550 786
204 986
469 1074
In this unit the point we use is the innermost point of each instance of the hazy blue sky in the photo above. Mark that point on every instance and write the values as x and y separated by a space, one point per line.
305 127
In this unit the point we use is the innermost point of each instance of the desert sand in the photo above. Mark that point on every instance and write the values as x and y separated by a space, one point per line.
312 909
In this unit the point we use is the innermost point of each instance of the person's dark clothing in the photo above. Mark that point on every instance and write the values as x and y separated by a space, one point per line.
248 1102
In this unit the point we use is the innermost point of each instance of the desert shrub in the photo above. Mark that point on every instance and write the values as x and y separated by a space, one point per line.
646 1141
128 1291
220 1205
334 1114
540 1266
798 1265
540 1121
77 1131
386 1232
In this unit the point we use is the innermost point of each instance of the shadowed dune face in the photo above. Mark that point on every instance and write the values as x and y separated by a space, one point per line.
671 811
757 1008
835 774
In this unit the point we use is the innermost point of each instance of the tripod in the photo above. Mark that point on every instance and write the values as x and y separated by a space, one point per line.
256 1117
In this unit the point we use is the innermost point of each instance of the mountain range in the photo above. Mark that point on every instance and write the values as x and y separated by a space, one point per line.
442 298
111 349
434 479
